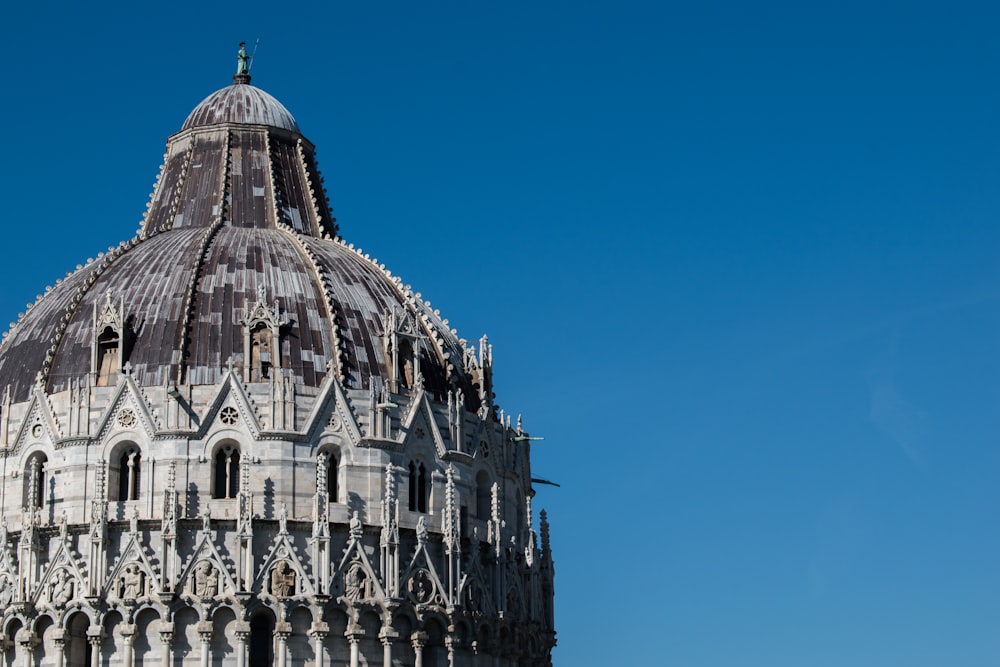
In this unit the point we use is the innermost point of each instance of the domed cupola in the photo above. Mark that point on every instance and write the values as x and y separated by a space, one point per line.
238 222
243 104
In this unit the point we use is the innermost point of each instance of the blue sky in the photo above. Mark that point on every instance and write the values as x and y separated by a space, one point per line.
738 263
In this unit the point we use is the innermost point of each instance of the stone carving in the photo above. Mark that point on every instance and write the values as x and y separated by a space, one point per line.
282 580
206 580
132 582
357 585
229 415
61 588
421 531
127 418
420 587
6 592
473 602
357 531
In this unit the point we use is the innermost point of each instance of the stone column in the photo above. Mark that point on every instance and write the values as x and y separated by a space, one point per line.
205 635
418 639
387 635
449 642
128 645
319 632
27 640
59 639
242 633
282 630
355 650
167 639
387 651
95 634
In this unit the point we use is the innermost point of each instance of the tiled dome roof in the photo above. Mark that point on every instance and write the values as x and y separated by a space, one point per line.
238 217
241 103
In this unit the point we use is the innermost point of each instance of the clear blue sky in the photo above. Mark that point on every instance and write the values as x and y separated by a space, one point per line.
738 262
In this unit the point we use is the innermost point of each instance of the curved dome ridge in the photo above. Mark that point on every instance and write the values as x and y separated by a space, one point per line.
244 104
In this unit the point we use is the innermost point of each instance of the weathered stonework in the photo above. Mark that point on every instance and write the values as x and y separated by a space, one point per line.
237 440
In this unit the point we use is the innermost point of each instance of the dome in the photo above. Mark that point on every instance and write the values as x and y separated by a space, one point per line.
238 221
241 103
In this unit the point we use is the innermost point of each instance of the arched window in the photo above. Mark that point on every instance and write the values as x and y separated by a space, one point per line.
108 344
227 472
261 350
129 474
36 481
484 495
331 479
419 490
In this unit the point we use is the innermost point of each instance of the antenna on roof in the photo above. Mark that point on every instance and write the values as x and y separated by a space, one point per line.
255 45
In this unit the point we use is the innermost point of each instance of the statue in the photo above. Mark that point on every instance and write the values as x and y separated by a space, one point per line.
282 580
355 526
283 519
421 531
420 587
356 583
206 580
408 373
133 521
243 60
6 592
132 581
206 517
61 588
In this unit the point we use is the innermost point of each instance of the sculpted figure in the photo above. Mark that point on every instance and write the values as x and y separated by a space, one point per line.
243 60
356 585
355 526
282 580
206 580
408 373
132 581
421 531
420 587
6 592
61 588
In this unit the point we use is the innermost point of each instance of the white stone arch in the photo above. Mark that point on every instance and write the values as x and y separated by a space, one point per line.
111 453
343 454
7 629
27 455
420 454
227 442
11 627
225 622
148 648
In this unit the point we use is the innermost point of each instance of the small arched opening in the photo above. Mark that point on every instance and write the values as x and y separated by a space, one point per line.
484 495
419 490
126 472
36 475
226 473
262 639
108 356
